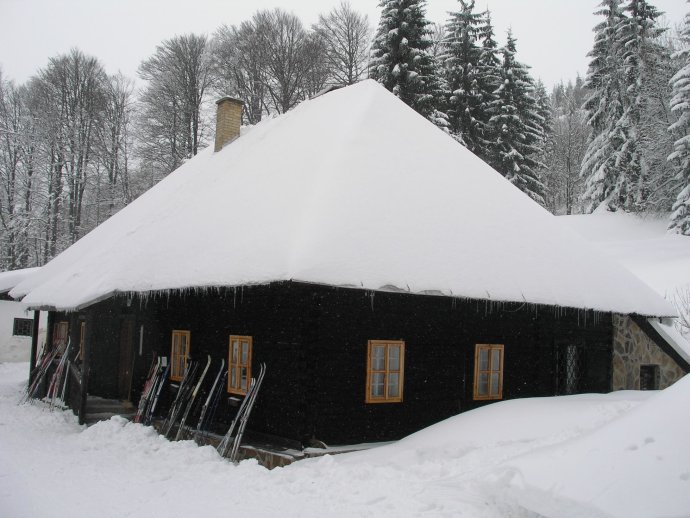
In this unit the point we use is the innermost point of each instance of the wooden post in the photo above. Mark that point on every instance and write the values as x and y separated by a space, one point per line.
85 362
34 346
49 330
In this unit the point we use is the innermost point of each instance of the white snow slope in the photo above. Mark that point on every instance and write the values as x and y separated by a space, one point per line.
352 188
623 454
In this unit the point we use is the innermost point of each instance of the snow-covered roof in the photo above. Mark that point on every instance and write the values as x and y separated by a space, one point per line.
667 330
641 244
352 188
11 278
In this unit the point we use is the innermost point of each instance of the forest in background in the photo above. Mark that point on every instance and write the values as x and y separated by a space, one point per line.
78 144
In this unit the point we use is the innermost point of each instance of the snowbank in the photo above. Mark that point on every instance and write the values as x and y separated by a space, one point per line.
621 454
635 466
352 188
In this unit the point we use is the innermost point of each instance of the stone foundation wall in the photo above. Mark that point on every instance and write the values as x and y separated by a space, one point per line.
632 348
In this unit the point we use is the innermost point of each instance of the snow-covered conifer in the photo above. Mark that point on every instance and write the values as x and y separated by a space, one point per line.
401 58
680 105
643 59
461 67
489 80
605 108
627 77
518 125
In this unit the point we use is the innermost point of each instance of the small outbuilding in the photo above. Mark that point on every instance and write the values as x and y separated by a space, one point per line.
386 276
17 324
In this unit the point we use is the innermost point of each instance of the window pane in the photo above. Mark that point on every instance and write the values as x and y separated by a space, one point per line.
235 347
483 359
377 380
243 378
378 358
495 360
393 385
394 358
245 353
483 384
494 384
233 378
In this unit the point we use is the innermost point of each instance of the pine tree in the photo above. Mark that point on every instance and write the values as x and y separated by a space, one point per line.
605 108
461 67
518 125
680 105
641 57
629 72
401 60
489 81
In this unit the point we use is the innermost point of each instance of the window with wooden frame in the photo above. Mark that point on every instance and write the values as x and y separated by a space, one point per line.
23 327
60 333
239 364
179 355
488 371
385 369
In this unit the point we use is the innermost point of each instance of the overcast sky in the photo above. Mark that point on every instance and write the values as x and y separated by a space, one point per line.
553 36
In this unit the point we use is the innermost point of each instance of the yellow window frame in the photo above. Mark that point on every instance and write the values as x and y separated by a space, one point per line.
386 372
488 371
179 353
236 364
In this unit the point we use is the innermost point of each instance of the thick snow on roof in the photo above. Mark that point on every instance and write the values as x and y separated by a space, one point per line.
351 188
641 244
11 278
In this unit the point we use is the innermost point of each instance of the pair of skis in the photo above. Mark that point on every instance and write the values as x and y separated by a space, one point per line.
185 399
211 403
183 392
240 420
158 374
40 372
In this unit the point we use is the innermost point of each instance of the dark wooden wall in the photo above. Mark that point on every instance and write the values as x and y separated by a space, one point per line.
314 342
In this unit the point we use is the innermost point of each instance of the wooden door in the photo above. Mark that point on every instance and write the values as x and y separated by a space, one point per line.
126 359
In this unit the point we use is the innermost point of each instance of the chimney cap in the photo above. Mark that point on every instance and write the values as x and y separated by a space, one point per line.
227 98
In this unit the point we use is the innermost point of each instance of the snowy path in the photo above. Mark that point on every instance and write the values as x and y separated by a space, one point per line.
51 467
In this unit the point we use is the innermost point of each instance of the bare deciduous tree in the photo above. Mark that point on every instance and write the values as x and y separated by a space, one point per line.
178 76
283 43
71 94
565 148
237 68
346 37
114 143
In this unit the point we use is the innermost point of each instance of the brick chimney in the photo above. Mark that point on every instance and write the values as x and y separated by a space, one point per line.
228 120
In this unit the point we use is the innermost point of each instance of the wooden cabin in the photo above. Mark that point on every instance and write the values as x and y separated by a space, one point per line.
386 276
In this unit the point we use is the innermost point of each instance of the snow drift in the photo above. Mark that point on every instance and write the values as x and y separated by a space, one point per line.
636 466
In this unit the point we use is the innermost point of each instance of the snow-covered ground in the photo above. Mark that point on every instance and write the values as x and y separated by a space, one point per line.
623 454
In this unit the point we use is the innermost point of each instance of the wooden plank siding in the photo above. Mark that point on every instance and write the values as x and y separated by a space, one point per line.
314 341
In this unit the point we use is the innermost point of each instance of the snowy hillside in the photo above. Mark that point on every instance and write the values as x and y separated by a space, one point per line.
624 454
